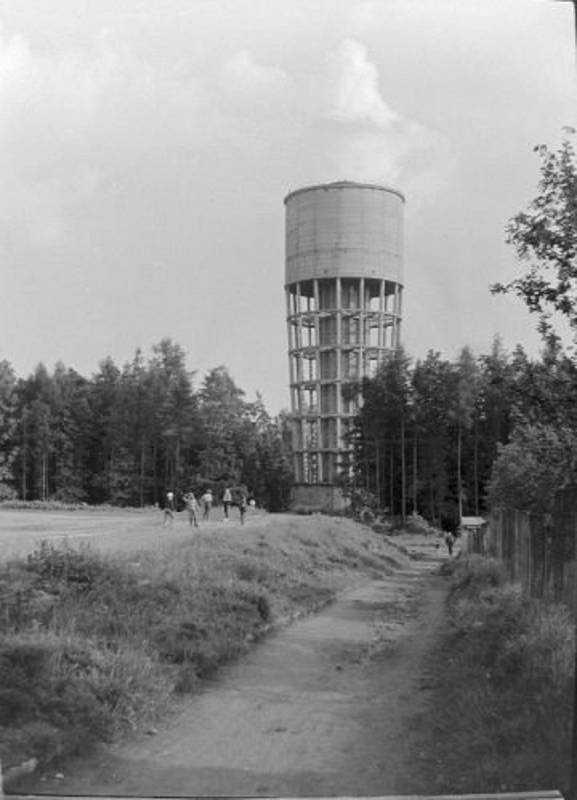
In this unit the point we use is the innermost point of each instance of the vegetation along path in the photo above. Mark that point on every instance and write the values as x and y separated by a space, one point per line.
322 707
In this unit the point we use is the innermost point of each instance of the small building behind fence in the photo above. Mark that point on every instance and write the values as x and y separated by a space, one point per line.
472 524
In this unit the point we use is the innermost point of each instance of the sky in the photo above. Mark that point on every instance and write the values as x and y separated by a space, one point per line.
146 147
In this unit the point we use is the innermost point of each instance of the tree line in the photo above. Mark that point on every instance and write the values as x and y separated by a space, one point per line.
128 434
451 438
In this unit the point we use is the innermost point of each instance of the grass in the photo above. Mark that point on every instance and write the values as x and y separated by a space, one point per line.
500 714
93 645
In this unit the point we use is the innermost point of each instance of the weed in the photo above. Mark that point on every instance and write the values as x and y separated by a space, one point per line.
65 566
504 677
251 572
472 574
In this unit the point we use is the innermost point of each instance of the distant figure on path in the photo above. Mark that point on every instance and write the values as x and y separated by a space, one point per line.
242 508
192 508
206 501
226 501
450 541
169 509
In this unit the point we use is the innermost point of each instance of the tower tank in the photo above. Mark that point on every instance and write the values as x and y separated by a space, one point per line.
343 283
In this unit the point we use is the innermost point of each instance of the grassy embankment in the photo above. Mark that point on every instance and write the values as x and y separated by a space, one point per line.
501 709
93 645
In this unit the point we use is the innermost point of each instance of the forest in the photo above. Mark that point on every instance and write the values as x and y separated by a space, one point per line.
436 437
451 438
127 435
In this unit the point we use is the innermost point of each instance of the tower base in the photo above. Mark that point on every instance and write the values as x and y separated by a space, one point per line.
309 498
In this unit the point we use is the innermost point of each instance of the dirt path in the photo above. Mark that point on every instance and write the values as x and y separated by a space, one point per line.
322 707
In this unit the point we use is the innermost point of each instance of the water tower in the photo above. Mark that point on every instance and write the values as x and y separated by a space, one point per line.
343 281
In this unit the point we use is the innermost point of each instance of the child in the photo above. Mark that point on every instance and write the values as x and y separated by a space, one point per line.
226 501
206 504
242 508
169 509
192 508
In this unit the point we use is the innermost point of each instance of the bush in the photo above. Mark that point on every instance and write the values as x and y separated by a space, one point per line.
24 602
474 573
417 524
66 566
15 705
69 686
7 493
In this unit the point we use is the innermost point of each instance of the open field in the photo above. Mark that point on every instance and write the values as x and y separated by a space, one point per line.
120 530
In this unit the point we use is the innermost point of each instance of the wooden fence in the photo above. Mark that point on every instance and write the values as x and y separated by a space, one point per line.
538 550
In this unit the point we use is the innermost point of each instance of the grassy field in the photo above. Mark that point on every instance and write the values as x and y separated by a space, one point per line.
109 617
108 530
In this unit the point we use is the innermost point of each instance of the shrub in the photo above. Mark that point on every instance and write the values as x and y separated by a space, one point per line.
15 705
475 573
69 687
65 565
23 663
541 647
417 524
23 601
252 571
7 493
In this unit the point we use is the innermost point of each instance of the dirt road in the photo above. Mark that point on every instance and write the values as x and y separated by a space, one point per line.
325 706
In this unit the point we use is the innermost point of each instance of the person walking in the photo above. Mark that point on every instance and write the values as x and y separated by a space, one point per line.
192 508
242 508
206 501
226 502
450 541
169 509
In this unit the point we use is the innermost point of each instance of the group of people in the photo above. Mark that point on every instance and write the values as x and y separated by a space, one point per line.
193 506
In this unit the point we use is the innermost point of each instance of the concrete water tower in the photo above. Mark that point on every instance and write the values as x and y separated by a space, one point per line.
343 281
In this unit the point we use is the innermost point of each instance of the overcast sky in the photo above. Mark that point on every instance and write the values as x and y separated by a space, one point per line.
146 147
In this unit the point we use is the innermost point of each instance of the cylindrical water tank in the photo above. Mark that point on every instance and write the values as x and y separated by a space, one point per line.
344 229
343 281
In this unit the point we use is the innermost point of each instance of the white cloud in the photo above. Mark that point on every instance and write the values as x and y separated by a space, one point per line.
368 139
354 94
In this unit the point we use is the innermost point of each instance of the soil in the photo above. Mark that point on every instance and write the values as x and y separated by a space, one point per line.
326 706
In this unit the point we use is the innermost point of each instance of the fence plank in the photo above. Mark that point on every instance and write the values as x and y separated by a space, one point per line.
538 551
